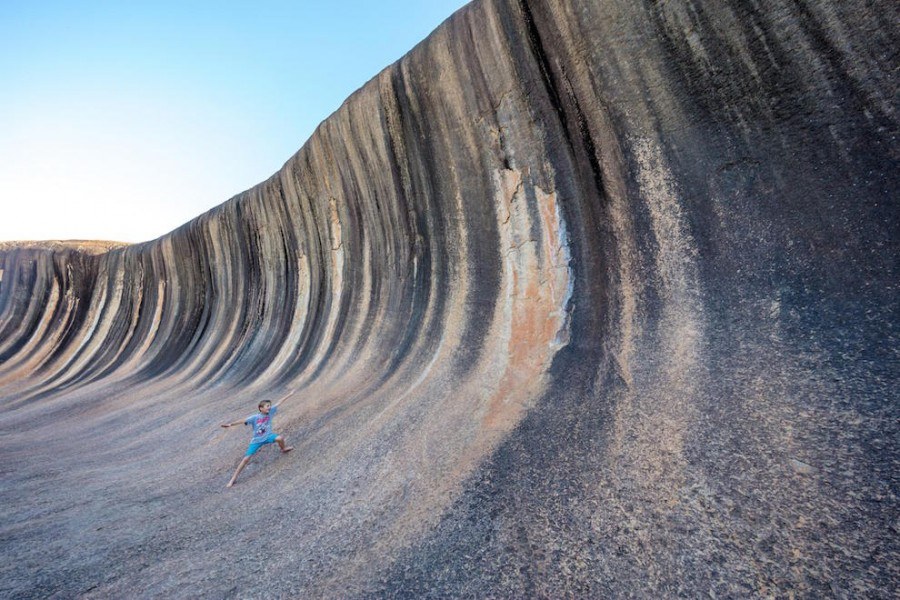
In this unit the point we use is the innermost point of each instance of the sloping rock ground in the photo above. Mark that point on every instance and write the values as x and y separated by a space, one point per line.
580 298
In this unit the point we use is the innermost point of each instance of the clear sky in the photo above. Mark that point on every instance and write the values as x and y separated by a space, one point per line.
122 120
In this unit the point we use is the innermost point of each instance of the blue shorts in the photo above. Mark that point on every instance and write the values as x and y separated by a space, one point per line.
255 446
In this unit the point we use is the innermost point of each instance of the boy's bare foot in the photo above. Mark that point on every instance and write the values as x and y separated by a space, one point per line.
288 449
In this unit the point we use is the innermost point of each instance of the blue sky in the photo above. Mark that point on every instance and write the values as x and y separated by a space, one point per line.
122 120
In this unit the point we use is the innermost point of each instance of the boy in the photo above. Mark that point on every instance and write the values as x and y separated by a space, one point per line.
261 423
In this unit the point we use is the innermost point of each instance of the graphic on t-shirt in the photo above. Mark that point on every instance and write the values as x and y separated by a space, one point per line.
261 425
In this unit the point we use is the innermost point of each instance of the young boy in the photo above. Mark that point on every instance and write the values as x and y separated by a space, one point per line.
261 423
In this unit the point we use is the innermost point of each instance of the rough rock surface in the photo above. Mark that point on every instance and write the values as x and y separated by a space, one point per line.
590 298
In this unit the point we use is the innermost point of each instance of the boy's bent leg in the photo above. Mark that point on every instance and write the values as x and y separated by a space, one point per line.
280 441
240 468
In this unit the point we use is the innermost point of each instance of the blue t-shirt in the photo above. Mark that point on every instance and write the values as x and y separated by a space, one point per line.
261 424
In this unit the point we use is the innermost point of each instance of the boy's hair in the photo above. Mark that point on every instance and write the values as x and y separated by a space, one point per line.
260 405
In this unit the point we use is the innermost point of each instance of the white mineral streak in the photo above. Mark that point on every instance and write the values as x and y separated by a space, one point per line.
40 331
89 343
559 255
531 323
649 431
141 354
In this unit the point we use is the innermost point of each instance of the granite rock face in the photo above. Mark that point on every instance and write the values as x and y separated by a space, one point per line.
589 298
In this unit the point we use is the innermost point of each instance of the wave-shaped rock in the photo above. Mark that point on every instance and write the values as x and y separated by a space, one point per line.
580 298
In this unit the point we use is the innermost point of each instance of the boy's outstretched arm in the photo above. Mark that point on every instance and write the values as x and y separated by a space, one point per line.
285 397
226 425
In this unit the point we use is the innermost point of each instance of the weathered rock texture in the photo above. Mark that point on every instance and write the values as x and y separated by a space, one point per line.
581 298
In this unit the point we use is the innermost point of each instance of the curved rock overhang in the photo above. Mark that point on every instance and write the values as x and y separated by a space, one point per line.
578 298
